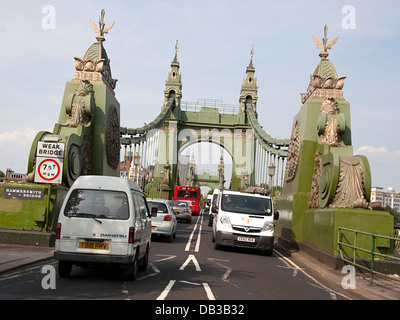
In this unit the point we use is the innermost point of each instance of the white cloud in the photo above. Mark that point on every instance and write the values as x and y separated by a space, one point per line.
15 147
384 165
24 137
382 154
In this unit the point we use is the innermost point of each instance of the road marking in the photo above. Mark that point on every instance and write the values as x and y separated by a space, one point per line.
167 289
227 272
199 235
187 248
156 272
171 283
167 257
331 292
191 258
209 293
23 272
188 282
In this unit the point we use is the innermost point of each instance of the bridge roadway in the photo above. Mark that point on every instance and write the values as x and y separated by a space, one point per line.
189 268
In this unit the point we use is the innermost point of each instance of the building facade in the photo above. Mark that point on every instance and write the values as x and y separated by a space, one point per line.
385 197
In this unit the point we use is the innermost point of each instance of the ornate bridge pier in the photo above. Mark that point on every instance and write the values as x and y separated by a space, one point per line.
326 186
85 140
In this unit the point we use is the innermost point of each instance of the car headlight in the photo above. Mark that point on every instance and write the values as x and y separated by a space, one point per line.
268 226
226 222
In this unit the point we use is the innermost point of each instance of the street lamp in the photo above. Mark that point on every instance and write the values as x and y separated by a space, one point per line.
271 173
161 182
166 172
136 162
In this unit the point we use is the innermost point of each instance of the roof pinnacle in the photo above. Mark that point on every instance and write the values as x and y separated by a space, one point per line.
102 27
251 57
175 61
325 46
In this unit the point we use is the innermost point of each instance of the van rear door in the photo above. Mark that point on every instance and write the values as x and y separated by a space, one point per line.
94 222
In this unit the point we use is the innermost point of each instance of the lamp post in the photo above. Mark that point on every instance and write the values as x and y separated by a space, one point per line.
136 162
271 173
166 172
161 182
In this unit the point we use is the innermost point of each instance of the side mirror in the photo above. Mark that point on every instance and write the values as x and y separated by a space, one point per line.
154 212
214 209
276 215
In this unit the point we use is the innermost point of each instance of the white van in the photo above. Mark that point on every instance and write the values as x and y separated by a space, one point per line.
212 203
103 220
244 220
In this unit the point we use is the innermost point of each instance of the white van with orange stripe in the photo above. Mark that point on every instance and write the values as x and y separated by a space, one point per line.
244 219
103 220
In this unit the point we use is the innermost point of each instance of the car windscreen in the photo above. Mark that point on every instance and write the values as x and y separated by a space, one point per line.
161 207
246 204
97 204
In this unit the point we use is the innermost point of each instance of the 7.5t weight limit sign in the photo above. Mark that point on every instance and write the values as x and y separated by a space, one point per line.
49 162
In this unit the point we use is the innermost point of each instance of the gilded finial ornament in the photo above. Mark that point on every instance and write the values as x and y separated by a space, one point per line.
252 51
176 47
325 46
102 27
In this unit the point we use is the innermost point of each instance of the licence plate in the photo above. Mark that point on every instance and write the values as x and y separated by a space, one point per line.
93 245
154 228
245 239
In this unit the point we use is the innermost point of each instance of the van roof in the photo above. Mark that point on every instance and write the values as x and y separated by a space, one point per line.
105 182
245 193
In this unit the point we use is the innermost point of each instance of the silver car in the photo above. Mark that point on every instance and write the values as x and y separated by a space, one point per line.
165 222
182 210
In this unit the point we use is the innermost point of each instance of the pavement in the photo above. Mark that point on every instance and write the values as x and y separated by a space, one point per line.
13 257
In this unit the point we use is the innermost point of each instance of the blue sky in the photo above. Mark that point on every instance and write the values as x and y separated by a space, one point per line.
215 39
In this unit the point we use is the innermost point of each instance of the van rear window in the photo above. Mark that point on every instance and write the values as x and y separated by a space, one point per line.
97 204
246 204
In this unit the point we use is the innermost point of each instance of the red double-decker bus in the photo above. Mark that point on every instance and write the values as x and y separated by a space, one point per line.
191 194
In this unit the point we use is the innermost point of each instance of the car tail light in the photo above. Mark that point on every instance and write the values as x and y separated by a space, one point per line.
131 234
168 217
58 231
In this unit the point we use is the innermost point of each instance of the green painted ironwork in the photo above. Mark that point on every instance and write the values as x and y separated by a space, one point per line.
375 240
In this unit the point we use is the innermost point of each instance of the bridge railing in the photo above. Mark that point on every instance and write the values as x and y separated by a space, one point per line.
372 252
209 103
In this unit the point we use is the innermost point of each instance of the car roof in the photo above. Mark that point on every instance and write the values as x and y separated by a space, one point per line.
106 183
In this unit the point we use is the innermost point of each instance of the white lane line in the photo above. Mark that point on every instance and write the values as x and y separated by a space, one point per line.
167 289
331 292
167 257
209 293
187 248
156 272
199 235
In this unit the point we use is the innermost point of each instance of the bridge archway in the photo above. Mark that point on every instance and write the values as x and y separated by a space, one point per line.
212 163
234 128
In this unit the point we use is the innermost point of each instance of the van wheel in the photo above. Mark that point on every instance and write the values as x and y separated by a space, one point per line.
132 269
64 268
145 261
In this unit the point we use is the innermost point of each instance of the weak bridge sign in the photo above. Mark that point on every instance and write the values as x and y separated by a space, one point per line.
49 162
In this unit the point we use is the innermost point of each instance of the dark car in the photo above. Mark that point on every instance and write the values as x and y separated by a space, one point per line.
182 210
